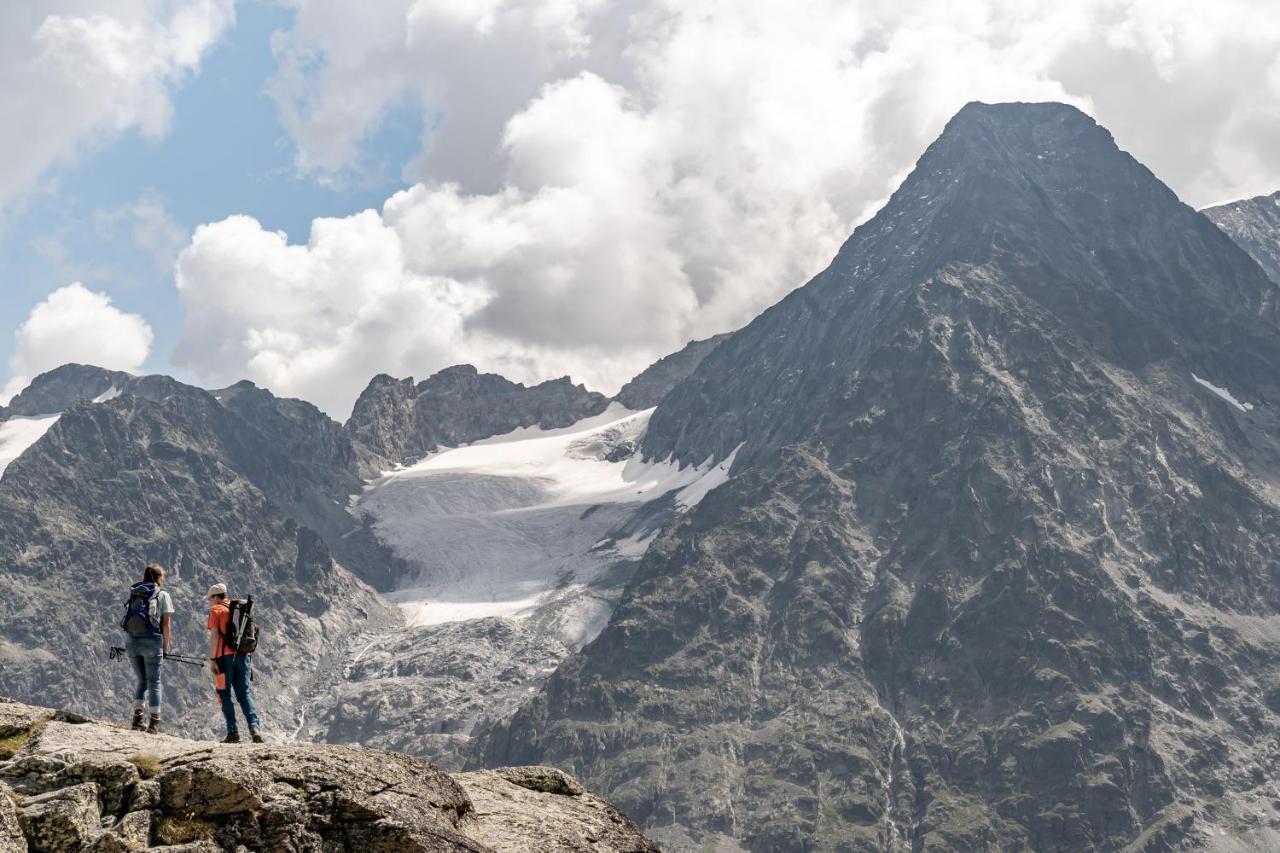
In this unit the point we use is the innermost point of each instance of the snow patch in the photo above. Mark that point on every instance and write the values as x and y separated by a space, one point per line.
692 494
635 546
1224 394
110 394
419 612
570 464
17 434
583 620
515 524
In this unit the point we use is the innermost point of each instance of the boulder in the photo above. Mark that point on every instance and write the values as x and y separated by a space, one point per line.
545 810
61 821
219 786
12 839
132 832
96 788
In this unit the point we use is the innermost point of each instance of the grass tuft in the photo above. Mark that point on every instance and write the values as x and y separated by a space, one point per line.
12 744
148 765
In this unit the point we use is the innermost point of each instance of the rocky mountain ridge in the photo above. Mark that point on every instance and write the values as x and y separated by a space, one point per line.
1254 223
163 471
68 785
401 421
973 545
241 486
996 564
648 387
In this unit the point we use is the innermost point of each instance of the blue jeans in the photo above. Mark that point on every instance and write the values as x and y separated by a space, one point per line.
236 668
144 654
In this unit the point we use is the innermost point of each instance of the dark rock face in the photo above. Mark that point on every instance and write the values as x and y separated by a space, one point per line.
653 383
1255 225
75 785
425 690
60 389
993 571
167 473
400 422
309 466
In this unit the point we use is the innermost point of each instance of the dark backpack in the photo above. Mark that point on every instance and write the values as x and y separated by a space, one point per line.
141 614
241 635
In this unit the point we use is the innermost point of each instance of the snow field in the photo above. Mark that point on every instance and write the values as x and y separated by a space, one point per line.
17 434
1223 393
523 523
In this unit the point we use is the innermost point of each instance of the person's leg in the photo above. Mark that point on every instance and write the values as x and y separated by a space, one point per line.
224 694
140 681
240 681
155 691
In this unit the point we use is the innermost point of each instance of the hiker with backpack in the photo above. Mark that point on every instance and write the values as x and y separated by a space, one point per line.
232 641
147 619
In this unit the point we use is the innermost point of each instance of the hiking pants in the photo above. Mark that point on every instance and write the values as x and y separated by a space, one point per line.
236 669
144 654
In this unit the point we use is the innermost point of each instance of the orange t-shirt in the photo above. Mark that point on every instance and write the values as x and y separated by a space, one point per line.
219 616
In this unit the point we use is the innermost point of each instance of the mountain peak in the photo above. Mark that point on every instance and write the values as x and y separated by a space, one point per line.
61 388
1254 224
1009 114
1035 201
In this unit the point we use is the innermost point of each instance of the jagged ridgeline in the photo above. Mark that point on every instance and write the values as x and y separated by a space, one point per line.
101 472
974 546
228 486
998 564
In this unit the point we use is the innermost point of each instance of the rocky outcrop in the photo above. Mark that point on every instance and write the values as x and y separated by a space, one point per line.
1254 224
995 567
69 785
653 383
520 811
63 387
399 421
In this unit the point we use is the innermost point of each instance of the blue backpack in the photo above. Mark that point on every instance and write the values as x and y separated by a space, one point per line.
141 616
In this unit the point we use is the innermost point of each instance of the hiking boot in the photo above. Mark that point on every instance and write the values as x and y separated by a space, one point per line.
256 735
153 728
232 737
138 725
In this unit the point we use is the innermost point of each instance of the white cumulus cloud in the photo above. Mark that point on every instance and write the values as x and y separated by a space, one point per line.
601 182
77 73
75 324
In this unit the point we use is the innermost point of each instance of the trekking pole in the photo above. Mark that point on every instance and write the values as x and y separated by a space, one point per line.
119 653
190 661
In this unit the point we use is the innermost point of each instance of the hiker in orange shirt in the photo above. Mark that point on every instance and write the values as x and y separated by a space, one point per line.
230 668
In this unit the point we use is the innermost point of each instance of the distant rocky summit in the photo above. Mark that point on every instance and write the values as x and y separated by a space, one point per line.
1254 224
654 382
402 421
63 387
69 785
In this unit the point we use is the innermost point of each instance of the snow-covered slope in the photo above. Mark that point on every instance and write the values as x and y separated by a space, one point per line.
529 521
17 434
519 546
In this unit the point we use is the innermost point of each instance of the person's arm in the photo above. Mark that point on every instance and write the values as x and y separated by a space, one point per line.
165 620
213 650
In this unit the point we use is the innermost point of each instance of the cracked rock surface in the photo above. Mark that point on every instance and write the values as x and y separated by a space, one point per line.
69 785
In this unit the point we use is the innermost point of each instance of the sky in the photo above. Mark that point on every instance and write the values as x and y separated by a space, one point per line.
306 193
